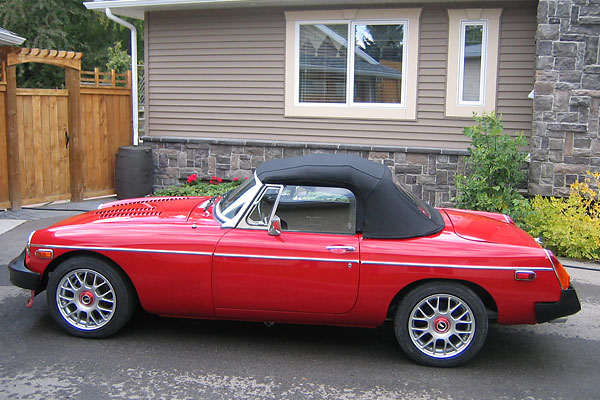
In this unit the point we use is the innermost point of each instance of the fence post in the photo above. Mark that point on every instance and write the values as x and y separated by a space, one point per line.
76 160
12 138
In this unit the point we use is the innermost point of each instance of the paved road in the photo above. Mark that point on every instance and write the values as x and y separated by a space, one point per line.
187 359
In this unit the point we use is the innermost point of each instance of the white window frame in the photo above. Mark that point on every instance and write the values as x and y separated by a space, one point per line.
458 20
350 73
406 110
461 68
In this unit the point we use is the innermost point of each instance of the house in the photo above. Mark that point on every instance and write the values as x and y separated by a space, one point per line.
231 83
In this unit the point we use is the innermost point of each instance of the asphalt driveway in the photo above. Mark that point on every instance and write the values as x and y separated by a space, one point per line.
157 357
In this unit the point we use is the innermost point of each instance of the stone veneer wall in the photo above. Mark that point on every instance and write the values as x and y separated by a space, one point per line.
567 95
429 173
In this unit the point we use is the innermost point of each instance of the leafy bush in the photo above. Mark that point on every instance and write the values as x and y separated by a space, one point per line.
495 169
194 187
571 226
118 59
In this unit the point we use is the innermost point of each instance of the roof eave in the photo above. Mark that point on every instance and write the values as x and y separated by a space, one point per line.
137 8
7 38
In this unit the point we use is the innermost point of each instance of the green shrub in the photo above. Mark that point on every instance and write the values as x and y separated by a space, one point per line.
571 226
194 187
495 170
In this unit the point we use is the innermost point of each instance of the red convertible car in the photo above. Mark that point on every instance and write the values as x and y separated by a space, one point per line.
323 239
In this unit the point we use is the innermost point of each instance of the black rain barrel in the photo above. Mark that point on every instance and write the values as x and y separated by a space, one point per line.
133 172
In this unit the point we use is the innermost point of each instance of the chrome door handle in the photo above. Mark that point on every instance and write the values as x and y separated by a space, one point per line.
340 249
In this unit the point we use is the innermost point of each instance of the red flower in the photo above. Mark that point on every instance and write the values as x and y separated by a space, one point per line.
192 178
236 179
214 178
219 180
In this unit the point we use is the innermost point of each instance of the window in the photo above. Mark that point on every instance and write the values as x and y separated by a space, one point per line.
352 64
317 209
471 75
305 209
263 209
472 61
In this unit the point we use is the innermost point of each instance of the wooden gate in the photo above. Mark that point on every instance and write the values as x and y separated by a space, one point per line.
42 127
60 144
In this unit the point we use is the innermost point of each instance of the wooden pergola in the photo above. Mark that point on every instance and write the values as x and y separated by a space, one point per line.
10 57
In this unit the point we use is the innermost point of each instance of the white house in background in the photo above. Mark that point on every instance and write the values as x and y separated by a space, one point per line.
8 38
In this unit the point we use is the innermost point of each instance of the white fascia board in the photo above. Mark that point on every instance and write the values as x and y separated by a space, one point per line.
10 39
137 8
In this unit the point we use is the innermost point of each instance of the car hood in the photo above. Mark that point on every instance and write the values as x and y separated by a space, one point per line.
483 226
145 209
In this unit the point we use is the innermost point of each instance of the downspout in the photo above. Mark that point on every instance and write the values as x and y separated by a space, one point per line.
134 73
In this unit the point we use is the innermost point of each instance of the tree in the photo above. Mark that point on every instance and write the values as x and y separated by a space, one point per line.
62 25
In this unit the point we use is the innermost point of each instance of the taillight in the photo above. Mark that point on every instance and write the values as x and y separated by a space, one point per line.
561 272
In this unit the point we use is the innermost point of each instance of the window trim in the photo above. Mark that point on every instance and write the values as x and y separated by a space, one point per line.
461 67
406 111
457 20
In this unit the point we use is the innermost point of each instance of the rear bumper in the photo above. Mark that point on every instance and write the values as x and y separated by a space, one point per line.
567 305
21 276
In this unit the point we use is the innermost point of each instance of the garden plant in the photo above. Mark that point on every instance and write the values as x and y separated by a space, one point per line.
571 226
196 187
494 170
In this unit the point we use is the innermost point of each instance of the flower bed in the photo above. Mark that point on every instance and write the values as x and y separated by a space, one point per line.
194 187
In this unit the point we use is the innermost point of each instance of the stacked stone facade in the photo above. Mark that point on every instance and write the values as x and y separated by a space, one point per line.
429 173
565 140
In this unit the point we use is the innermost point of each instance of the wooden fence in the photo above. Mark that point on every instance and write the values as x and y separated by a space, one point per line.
105 126
44 127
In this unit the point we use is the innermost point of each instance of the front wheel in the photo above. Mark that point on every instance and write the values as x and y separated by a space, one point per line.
88 297
441 324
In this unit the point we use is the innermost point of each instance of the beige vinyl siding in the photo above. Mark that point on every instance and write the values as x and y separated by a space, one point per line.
516 69
220 74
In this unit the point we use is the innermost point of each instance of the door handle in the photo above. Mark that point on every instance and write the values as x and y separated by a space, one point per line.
340 249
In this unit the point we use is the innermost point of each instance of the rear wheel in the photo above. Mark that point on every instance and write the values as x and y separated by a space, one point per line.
441 324
88 297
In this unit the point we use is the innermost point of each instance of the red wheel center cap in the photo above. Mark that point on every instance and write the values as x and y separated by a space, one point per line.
86 298
441 325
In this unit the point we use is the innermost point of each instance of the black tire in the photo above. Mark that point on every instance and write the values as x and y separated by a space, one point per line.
95 309
430 335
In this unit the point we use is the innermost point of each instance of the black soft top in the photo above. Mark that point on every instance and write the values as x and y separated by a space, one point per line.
383 211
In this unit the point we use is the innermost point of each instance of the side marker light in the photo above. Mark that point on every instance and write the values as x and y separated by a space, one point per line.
44 253
522 275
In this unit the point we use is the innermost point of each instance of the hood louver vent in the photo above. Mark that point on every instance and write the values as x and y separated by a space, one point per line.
153 200
118 212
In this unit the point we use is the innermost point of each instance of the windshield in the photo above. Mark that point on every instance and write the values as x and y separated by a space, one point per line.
420 204
234 200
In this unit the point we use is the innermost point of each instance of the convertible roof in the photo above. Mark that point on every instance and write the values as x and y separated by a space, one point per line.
384 210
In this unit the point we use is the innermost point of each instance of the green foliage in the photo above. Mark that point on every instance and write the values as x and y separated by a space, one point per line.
571 226
495 170
62 25
194 187
118 59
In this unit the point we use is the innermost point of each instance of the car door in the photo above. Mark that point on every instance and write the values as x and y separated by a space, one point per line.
312 266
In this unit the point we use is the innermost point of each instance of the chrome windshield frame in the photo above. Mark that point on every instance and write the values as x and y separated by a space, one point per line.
246 200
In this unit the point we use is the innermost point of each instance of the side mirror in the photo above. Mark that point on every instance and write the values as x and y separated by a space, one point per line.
275 226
